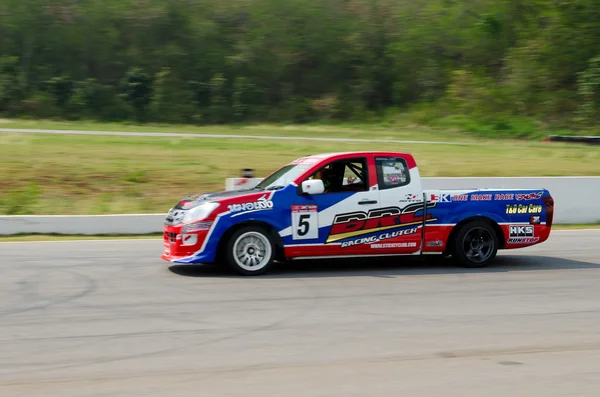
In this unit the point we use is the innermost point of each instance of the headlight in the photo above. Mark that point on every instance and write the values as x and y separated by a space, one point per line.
199 212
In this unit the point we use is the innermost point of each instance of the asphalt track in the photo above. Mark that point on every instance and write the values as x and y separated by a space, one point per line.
230 136
108 318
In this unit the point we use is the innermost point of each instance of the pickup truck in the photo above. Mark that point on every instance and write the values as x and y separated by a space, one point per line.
352 204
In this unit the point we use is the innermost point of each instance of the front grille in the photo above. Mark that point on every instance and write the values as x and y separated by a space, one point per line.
170 236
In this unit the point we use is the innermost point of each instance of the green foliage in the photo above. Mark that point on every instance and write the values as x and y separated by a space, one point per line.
10 87
61 89
172 101
589 90
218 108
137 89
222 61
88 99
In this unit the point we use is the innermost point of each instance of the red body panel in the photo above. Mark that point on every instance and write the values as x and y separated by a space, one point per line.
174 245
542 232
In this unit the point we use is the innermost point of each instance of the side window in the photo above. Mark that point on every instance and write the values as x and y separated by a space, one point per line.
391 172
355 175
348 175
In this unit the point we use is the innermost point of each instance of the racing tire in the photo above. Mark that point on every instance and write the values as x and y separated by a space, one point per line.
250 251
475 245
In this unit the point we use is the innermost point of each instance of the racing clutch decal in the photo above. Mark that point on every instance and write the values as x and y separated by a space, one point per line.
358 223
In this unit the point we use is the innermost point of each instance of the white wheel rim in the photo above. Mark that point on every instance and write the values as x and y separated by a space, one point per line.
252 251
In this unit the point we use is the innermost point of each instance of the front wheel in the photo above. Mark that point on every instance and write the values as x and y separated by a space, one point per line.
250 251
476 244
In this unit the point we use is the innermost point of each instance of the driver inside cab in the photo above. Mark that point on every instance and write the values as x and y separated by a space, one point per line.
330 180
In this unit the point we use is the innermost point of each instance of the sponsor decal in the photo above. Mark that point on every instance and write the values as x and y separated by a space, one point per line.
174 217
189 239
410 197
504 196
358 223
305 222
260 204
521 231
304 208
436 243
439 198
460 197
535 220
522 234
523 240
306 160
523 209
190 202
381 237
481 197
529 196
447 197
395 245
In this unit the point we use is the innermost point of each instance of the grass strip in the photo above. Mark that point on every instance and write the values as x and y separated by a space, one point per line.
91 175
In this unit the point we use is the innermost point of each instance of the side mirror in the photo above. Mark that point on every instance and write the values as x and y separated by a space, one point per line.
313 186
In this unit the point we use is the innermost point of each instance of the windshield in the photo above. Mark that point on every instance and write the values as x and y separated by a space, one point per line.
282 177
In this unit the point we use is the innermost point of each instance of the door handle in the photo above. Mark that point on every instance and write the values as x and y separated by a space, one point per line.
367 202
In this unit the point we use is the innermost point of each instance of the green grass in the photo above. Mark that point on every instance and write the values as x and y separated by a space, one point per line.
576 226
361 131
62 174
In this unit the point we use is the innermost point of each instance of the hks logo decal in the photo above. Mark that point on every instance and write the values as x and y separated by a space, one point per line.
522 235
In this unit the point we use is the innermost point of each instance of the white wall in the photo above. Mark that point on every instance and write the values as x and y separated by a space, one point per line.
82 224
577 200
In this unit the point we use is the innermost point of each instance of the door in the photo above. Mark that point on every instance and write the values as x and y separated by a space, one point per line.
332 223
401 207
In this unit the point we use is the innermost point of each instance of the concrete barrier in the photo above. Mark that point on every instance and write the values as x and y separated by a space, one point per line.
576 198
82 224
576 201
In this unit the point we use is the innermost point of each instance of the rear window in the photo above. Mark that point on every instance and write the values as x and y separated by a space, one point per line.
391 172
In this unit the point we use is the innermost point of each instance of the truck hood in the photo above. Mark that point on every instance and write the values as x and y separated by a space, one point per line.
190 202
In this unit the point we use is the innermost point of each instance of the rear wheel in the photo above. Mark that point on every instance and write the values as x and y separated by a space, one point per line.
250 251
476 244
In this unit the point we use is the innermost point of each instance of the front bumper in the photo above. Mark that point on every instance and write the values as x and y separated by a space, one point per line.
183 247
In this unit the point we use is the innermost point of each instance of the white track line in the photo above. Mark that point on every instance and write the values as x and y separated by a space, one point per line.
229 136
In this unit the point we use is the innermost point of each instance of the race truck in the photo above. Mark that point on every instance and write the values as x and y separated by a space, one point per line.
352 204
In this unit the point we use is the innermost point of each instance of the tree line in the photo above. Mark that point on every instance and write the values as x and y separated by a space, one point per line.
222 61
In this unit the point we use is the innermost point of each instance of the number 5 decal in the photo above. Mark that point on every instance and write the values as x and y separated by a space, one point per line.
305 224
